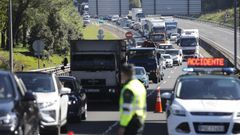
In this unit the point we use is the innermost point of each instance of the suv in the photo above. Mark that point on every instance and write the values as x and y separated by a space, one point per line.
19 114
204 103
52 98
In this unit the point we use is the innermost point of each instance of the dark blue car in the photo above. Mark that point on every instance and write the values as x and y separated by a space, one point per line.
77 105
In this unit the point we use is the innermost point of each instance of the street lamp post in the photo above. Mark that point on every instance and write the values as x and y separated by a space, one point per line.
235 33
10 37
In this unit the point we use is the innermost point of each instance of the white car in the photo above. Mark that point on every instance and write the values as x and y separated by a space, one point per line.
204 104
115 18
52 98
177 56
174 37
169 60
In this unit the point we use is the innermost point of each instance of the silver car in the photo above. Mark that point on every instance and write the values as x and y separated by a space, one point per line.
142 75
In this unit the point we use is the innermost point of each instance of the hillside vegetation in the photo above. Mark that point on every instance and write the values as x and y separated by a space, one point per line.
222 17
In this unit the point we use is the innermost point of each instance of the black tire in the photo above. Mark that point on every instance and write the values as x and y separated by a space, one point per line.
84 115
64 128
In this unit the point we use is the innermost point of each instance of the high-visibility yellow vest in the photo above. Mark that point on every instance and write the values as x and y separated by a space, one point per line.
137 106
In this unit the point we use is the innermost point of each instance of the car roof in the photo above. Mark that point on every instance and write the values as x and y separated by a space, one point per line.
2 72
32 72
172 49
195 76
142 49
67 77
139 67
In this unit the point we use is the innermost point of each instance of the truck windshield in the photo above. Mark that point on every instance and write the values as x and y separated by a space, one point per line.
93 62
159 37
188 42
171 27
142 55
140 15
209 88
158 29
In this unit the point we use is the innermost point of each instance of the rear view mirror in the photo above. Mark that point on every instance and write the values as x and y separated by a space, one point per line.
65 91
166 96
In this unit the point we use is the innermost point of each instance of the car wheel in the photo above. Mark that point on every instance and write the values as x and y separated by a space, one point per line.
84 115
20 130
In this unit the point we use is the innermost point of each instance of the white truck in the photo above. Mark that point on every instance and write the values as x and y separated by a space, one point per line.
189 43
137 14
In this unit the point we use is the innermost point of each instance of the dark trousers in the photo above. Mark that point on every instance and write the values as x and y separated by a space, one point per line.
135 127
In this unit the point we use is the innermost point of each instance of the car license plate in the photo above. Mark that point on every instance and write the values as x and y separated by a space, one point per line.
211 128
93 90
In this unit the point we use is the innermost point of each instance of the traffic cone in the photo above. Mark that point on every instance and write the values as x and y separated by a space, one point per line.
158 105
70 133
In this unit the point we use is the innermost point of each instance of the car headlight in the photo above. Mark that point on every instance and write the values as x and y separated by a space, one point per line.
10 120
238 114
177 110
46 104
48 115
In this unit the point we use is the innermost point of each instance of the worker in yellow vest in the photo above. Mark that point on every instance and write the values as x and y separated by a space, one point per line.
132 103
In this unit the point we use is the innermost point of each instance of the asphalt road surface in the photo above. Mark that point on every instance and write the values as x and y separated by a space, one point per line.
222 37
103 116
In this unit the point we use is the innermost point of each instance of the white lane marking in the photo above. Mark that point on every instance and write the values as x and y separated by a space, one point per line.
110 128
169 77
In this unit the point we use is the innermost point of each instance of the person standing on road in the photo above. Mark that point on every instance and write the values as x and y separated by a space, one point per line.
132 103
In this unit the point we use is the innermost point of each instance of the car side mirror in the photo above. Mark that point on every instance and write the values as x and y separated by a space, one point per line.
166 96
29 97
65 91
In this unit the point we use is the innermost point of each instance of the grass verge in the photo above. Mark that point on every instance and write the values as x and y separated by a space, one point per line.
91 32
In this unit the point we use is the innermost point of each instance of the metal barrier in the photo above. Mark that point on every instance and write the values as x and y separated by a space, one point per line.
58 70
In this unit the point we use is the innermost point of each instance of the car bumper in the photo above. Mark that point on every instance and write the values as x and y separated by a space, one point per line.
193 122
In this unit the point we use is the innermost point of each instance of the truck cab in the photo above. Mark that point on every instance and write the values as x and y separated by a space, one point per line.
189 43
147 58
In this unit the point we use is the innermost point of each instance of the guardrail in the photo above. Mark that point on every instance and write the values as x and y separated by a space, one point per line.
58 70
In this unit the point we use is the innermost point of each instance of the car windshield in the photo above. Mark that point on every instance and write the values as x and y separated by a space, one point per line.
173 53
37 82
166 57
188 42
6 87
209 88
139 71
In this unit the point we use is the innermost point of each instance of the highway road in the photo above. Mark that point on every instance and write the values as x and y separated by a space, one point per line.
103 116
222 37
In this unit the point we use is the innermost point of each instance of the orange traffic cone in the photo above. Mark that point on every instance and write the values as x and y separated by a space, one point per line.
158 105
70 133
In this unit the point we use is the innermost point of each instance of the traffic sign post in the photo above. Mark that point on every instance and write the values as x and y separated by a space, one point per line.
38 47
100 35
